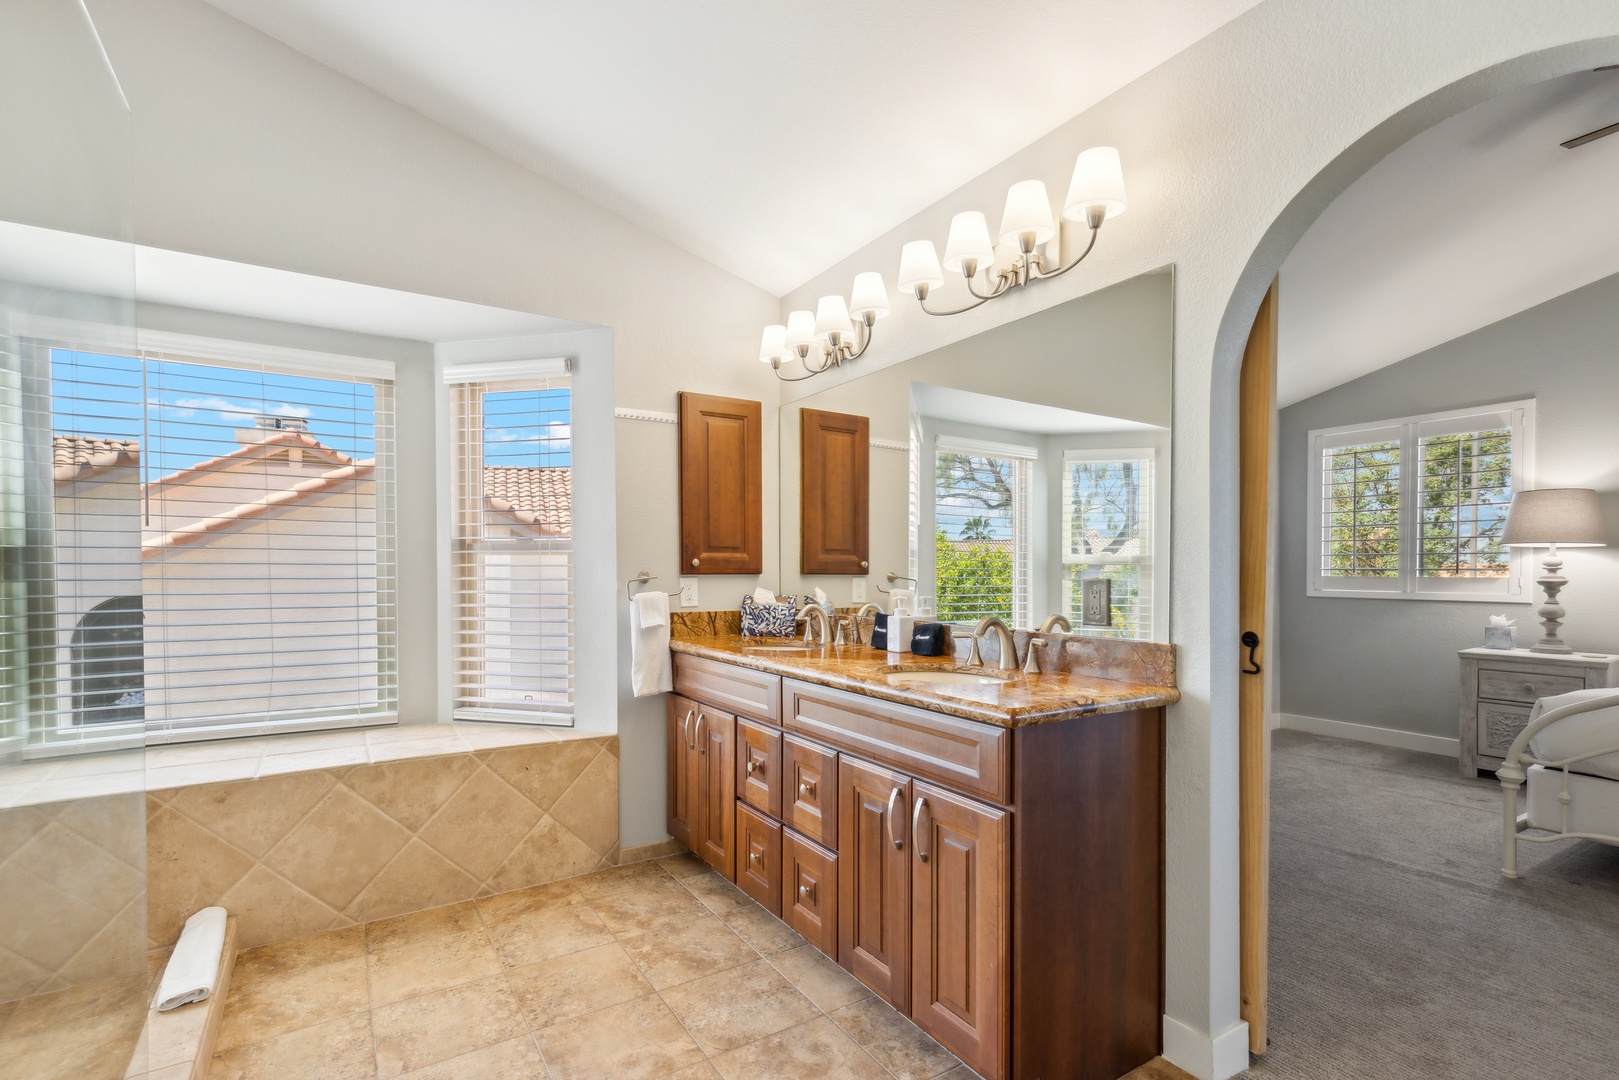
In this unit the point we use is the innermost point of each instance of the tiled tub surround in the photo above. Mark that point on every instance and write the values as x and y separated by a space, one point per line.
346 828
1083 676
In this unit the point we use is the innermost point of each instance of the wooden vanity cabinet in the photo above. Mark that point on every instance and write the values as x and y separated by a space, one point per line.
874 878
701 784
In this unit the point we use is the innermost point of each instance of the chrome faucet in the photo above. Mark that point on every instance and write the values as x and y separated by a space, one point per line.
868 609
810 617
1008 643
1055 621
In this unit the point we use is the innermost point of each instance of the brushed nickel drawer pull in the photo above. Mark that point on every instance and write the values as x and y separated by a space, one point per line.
916 826
899 841
807 893
806 789
753 858
755 766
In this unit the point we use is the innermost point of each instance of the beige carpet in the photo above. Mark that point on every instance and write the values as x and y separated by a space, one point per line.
1399 950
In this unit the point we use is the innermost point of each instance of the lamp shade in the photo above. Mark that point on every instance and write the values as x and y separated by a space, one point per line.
800 329
869 296
1567 517
1028 210
773 346
1098 181
832 316
919 265
969 239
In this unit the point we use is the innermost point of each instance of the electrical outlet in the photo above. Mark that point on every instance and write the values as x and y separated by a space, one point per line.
1097 607
857 591
688 592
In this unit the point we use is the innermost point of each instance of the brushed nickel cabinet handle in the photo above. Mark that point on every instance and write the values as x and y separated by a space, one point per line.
899 842
807 893
701 748
916 827
694 562
754 766
753 858
806 790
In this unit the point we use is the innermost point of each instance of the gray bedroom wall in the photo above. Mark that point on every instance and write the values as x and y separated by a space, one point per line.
1392 663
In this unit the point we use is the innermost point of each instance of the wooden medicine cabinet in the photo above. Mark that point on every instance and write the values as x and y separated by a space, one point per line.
834 493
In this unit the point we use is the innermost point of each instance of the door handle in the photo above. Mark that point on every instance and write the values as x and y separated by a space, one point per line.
685 730
899 841
701 749
916 827
1250 641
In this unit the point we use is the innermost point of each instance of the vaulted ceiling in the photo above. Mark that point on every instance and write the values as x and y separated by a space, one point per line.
771 138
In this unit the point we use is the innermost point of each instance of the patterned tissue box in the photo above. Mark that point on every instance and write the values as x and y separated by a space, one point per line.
770 620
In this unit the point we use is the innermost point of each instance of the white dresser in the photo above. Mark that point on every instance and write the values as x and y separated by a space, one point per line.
1500 686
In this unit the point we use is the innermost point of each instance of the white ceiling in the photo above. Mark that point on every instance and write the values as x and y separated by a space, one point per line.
771 138
46 258
1476 219
966 407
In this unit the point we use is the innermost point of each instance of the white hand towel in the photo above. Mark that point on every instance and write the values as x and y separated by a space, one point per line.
651 671
193 969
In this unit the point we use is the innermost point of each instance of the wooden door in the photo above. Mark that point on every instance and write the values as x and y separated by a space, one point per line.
1257 410
758 857
721 500
682 783
716 788
834 493
961 925
874 878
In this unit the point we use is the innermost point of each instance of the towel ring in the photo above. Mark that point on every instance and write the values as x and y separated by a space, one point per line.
641 579
893 577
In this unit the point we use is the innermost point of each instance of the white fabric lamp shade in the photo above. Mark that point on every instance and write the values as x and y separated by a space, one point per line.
969 239
1564 517
773 346
800 329
1028 210
1098 181
832 317
869 296
919 265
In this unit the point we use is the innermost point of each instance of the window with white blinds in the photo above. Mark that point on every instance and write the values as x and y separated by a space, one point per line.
982 537
1107 532
513 521
209 542
1415 507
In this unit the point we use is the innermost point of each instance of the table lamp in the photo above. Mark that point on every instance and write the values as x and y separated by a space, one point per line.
1553 518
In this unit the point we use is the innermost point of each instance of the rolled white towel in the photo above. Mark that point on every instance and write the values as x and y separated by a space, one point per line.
193 969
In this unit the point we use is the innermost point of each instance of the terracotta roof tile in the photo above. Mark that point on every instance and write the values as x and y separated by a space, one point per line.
258 507
75 456
535 495
254 449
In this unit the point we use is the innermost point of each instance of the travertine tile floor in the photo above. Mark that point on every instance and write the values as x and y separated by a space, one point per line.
659 969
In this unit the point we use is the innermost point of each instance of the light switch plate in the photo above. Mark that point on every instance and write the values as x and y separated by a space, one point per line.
857 591
1098 602
688 592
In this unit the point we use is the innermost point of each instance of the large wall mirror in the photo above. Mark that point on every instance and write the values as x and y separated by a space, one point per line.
1008 467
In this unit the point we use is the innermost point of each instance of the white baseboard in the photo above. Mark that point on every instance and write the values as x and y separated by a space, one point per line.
1217 1058
1367 733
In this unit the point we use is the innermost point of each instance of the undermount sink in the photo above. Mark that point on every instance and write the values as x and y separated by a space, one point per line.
949 678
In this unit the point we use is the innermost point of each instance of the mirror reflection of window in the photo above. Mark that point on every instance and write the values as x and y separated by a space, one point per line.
1107 520
982 542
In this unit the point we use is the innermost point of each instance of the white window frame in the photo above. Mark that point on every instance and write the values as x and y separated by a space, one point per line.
1149 558
500 376
1022 512
1518 416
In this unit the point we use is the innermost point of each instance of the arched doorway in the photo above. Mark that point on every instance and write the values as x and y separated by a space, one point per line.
109 664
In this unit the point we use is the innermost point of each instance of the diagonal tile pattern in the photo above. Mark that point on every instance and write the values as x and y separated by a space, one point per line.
296 853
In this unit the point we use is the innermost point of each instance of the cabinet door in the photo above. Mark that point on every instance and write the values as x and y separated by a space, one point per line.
809 891
682 785
874 878
758 763
721 467
810 798
834 493
716 788
961 925
758 857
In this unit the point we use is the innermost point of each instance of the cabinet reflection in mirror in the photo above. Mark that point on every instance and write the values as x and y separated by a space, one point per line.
1008 467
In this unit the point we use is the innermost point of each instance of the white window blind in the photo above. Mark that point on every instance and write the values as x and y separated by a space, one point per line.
513 511
1415 507
211 544
1107 510
982 535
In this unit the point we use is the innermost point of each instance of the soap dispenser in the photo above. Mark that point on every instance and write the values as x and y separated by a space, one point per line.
901 622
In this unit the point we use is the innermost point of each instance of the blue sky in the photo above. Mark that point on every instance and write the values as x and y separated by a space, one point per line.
192 411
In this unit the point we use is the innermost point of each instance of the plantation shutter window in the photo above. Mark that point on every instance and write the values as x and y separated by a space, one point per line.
1107 511
211 541
513 543
1415 508
982 531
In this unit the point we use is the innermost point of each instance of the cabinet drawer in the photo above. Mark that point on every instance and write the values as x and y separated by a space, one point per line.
758 767
742 690
1498 725
758 857
809 891
1498 685
810 796
970 757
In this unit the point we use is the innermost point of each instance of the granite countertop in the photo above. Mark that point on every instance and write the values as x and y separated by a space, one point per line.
1019 701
